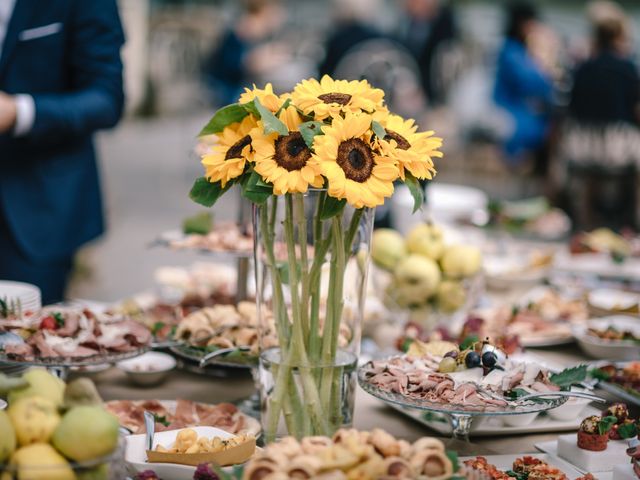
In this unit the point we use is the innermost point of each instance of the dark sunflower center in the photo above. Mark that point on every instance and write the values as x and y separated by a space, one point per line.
235 151
334 97
356 160
291 151
403 143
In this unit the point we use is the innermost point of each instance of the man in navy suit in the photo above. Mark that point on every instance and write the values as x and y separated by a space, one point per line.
60 81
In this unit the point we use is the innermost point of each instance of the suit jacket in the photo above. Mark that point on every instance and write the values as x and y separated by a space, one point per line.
66 54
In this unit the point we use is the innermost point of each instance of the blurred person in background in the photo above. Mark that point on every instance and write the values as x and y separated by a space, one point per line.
601 142
353 25
60 81
428 27
246 52
523 85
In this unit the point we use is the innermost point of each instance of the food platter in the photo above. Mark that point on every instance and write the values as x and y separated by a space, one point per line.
493 426
66 362
505 463
238 359
628 395
455 409
232 419
178 240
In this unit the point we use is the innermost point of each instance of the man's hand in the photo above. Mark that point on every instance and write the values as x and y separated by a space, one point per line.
8 112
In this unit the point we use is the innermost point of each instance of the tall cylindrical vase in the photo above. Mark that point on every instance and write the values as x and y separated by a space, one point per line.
312 258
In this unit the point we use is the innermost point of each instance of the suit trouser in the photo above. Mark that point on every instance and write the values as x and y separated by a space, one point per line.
51 276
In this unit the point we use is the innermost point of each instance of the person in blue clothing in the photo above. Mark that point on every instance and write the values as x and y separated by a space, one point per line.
60 81
522 88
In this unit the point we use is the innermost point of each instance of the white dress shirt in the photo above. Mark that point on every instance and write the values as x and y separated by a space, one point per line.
25 106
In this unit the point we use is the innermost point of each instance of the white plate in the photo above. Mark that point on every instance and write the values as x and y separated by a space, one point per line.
505 462
136 457
609 349
597 264
551 447
494 426
612 299
28 295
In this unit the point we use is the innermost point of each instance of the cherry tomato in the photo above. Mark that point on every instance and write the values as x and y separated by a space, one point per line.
48 323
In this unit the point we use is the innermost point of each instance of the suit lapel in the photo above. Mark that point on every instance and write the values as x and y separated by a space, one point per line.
19 21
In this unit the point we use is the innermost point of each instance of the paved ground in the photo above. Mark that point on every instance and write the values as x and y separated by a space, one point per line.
147 170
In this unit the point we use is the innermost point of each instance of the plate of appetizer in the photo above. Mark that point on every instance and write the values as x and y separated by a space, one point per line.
522 467
181 413
610 301
229 328
541 318
612 338
479 380
71 336
621 379
200 233
353 454
177 454
600 443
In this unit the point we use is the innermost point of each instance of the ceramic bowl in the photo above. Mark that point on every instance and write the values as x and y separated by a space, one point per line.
148 369
136 457
609 349
519 420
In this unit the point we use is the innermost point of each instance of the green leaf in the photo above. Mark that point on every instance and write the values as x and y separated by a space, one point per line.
207 193
309 130
200 223
453 457
161 420
284 106
628 430
283 269
516 393
332 207
606 423
157 326
468 341
224 117
518 475
378 129
599 374
434 417
251 109
569 376
416 190
270 121
255 189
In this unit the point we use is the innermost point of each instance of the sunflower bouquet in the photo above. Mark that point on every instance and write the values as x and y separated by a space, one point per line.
315 163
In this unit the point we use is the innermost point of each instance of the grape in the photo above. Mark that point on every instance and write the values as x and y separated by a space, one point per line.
489 359
472 359
447 365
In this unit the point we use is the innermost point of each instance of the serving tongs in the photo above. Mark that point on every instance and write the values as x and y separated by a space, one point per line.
223 352
150 427
541 395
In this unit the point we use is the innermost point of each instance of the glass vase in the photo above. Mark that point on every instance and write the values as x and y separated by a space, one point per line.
312 258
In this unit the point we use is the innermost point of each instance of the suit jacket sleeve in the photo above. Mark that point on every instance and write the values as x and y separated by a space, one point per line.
96 98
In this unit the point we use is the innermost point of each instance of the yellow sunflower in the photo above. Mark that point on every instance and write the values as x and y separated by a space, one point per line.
354 170
330 97
283 160
228 157
267 98
413 150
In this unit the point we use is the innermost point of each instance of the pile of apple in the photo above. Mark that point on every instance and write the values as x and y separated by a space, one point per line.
425 271
49 426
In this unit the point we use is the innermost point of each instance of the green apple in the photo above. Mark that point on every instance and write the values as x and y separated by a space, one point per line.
426 239
7 437
461 261
86 433
387 248
451 295
416 279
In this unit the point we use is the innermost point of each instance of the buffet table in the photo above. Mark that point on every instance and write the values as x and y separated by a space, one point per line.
370 413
